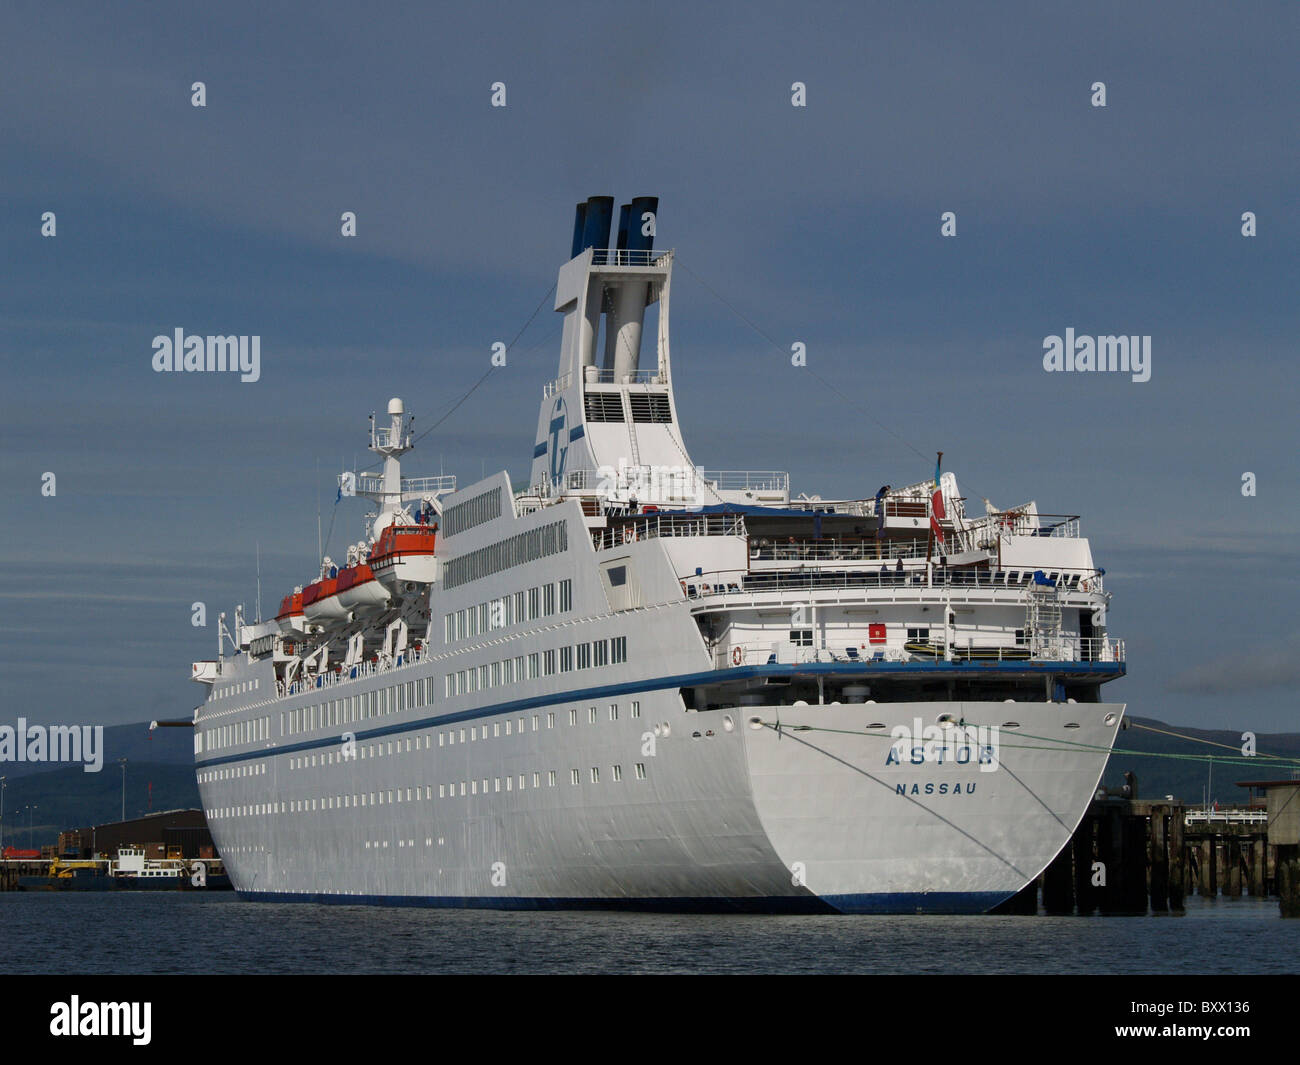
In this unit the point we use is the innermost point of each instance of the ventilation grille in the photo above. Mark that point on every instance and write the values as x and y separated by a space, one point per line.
650 407
604 407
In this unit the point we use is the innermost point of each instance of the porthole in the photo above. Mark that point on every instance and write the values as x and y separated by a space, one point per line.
727 723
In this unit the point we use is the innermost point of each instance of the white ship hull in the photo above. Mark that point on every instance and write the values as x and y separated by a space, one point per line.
734 817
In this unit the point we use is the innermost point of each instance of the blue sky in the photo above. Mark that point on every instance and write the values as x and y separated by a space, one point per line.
818 224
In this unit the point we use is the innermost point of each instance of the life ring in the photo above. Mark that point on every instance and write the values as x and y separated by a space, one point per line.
627 534
683 584
1116 654
737 655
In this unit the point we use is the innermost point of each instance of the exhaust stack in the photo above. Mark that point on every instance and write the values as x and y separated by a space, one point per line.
628 298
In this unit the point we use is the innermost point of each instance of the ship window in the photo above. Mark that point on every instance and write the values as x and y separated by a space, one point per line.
602 652
566 659
519 668
548 662
548 599
550 719
473 734
801 637
550 778
534 601
617 772
595 774
618 649
918 634
442 791
462 735
575 777
566 594
591 715
1021 638
523 723
617 576
537 779
636 708
533 663
496 781
640 771
584 656
573 715
613 711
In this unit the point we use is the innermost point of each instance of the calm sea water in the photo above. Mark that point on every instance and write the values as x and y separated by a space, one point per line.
162 932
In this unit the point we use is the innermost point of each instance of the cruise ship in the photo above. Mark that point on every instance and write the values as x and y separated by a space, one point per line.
633 682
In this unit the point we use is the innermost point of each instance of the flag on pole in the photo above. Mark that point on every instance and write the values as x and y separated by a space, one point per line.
937 513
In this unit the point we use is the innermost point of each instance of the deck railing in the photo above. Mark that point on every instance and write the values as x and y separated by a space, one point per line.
846 648
749 582
628 256
667 523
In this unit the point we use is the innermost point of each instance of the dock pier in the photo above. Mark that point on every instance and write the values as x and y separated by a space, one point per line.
1139 856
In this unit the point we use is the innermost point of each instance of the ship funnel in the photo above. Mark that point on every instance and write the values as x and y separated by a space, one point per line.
595 229
637 238
628 296
579 224
623 213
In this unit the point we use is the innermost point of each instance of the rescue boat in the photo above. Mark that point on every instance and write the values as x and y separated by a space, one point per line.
405 554
359 590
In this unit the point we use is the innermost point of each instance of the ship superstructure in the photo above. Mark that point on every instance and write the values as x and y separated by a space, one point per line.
636 682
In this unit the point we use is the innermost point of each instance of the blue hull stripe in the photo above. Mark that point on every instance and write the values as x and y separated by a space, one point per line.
681 680
939 902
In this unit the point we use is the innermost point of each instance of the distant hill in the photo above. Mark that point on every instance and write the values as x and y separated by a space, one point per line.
1186 779
135 743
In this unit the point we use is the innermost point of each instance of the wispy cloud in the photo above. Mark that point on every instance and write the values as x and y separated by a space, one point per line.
1276 665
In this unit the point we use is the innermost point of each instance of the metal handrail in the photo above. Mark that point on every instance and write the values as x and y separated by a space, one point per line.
666 523
730 582
628 256
785 652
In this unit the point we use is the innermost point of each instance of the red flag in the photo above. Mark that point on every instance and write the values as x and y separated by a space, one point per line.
937 513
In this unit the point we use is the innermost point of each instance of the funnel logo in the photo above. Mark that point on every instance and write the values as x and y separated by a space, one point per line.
558 440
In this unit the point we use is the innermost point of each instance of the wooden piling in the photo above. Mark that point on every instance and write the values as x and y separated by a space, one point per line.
1233 883
1135 873
1288 879
1086 897
1258 865
1058 883
1158 859
1178 882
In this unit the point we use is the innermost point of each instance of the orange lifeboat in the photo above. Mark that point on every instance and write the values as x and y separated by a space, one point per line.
405 553
320 602
359 590
290 618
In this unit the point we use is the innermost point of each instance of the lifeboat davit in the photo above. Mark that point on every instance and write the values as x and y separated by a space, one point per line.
404 554
290 618
359 590
320 602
